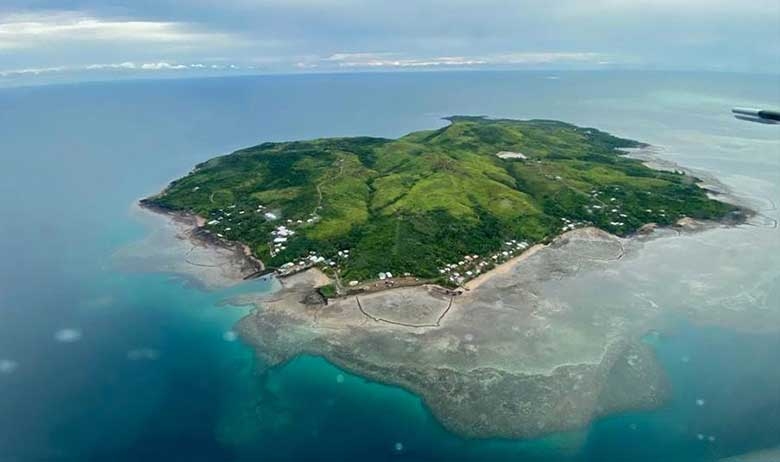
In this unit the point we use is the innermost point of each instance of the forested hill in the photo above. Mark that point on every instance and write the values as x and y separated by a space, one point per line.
420 204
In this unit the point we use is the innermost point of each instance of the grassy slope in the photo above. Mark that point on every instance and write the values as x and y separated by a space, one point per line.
426 199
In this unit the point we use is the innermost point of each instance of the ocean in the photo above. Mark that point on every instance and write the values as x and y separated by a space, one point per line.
97 363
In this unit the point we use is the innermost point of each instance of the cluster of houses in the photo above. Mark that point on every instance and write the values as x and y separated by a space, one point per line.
568 224
279 236
224 216
612 206
270 216
472 266
387 279
313 259
615 208
282 233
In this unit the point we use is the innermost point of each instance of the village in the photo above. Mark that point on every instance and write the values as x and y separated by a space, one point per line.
456 274
452 274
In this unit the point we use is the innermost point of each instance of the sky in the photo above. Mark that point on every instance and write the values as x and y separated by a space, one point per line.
44 40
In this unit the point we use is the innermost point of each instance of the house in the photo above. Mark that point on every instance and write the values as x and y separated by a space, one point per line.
511 155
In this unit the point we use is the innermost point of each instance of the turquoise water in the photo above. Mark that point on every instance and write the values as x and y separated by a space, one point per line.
147 371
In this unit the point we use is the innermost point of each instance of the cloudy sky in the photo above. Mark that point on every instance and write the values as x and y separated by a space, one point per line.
118 38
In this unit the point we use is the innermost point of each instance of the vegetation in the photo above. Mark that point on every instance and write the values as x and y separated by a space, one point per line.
418 203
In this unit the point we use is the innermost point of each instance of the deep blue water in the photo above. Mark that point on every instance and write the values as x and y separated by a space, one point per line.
74 159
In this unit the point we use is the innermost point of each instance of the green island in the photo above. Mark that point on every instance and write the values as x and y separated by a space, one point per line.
493 235
439 206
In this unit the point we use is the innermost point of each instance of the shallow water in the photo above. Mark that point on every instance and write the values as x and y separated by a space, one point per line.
100 363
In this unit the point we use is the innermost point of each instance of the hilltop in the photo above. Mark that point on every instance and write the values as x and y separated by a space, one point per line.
438 205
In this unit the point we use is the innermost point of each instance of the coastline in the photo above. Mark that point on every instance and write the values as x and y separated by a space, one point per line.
176 245
483 356
646 153
503 268
197 234
499 333
652 157
191 225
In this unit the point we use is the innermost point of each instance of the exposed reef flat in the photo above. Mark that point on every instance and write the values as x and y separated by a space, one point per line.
765 455
175 245
526 345
545 342
500 360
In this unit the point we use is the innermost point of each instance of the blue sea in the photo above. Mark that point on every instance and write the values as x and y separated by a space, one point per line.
98 364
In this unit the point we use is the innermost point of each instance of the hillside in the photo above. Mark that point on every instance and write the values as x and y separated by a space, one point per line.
440 205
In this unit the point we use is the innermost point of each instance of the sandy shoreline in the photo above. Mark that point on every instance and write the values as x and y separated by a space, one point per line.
503 268
503 350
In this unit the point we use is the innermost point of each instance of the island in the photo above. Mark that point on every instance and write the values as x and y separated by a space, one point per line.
420 262
440 206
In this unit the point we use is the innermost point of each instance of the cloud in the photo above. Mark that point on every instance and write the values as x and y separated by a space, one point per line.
351 61
31 71
162 65
548 58
123 66
332 35
397 60
373 60
44 29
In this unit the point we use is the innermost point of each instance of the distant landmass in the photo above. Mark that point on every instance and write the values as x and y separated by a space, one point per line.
439 206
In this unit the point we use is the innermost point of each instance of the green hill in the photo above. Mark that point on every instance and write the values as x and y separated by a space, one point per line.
423 201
